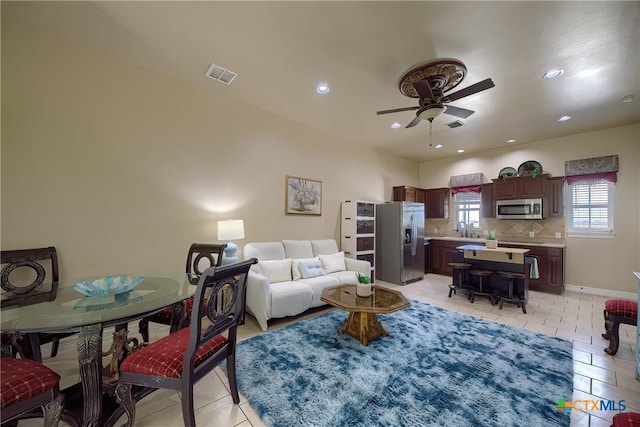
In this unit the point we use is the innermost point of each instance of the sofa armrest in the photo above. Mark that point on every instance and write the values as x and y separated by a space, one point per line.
358 265
259 298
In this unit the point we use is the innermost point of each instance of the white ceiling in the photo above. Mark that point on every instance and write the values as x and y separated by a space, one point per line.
281 50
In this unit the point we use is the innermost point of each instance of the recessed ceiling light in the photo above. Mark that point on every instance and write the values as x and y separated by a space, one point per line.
322 88
628 98
395 125
439 146
552 74
564 118
460 151
509 141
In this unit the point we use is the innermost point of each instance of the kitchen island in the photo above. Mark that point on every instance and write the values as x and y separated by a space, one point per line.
504 274
550 257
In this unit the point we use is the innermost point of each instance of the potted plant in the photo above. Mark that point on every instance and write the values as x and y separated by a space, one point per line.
363 288
492 241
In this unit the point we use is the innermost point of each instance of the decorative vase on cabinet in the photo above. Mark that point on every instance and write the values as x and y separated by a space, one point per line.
358 229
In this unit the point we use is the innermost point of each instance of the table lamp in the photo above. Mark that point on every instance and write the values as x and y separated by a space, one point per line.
230 230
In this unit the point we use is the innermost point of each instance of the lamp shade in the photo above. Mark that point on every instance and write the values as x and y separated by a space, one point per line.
231 229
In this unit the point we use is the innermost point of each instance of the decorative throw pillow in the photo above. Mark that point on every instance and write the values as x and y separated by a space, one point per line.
295 266
333 263
310 269
277 270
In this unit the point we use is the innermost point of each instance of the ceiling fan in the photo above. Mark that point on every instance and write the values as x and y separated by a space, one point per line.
429 82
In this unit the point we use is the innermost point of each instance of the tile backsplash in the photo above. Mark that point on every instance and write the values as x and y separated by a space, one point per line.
544 230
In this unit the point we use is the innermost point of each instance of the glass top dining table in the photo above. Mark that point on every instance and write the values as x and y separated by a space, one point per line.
72 311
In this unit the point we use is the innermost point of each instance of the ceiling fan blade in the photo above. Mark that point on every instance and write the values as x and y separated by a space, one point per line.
397 110
424 89
470 90
413 122
463 113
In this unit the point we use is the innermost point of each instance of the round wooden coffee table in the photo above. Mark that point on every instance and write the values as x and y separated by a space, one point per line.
362 322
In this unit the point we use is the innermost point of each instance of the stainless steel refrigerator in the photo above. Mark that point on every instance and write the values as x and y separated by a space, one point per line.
400 242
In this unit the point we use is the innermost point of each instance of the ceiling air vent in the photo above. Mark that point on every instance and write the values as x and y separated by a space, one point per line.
220 74
455 124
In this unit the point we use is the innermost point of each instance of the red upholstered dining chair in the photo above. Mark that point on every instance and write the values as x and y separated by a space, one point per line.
30 276
178 316
25 385
181 359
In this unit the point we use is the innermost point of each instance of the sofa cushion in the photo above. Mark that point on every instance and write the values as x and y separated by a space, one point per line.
332 263
295 267
317 285
290 298
310 269
298 248
324 247
346 277
278 270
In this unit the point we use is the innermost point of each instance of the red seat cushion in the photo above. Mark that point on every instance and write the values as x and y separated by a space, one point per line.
22 379
622 307
626 419
163 358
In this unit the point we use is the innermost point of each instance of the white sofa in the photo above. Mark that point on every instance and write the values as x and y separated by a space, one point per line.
276 286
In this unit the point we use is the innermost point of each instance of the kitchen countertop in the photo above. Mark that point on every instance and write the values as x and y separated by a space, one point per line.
482 241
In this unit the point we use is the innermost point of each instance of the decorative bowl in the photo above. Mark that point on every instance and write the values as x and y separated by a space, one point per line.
110 285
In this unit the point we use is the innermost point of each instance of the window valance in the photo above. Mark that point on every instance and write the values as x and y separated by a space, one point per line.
593 170
466 183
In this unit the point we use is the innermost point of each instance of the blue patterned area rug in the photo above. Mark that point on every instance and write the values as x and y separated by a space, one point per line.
436 368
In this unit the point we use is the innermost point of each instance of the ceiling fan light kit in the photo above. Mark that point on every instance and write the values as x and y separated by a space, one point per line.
429 82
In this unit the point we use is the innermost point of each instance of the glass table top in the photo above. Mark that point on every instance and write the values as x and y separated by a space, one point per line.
382 300
71 310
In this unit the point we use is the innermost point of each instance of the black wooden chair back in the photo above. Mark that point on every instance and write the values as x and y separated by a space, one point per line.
28 276
179 315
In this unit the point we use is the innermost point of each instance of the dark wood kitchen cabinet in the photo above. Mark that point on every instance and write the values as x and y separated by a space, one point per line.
555 200
524 187
406 193
441 254
437 203
487 205
550 267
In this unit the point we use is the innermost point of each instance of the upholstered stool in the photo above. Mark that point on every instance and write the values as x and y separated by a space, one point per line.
519 300
482 290
626 419
617 311
458 269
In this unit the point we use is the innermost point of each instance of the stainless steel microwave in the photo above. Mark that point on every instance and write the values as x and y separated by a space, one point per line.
519 209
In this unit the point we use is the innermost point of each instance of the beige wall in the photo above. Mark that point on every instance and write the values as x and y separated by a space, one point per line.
606 263
122 169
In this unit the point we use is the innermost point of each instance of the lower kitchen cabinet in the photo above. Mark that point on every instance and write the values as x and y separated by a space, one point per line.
441 254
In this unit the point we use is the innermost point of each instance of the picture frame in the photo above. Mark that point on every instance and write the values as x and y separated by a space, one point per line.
303 196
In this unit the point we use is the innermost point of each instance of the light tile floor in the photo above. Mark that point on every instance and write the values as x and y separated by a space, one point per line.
573 316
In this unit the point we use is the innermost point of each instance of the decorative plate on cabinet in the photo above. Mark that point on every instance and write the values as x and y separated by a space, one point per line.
507 172
527 168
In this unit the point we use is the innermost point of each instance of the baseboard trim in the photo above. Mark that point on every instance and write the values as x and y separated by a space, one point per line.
599 291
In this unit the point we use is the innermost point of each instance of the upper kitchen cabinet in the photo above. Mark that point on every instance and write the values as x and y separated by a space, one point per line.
520 188
405 193
556 196
437 203
487 204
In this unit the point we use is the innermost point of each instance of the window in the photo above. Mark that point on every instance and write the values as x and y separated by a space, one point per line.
467 206
591 208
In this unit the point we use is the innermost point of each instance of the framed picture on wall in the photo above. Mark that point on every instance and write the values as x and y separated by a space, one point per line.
303 196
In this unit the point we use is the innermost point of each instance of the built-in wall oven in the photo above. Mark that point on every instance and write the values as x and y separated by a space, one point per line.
519 209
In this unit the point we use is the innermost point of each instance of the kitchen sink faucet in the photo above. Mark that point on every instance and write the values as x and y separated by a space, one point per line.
462 229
